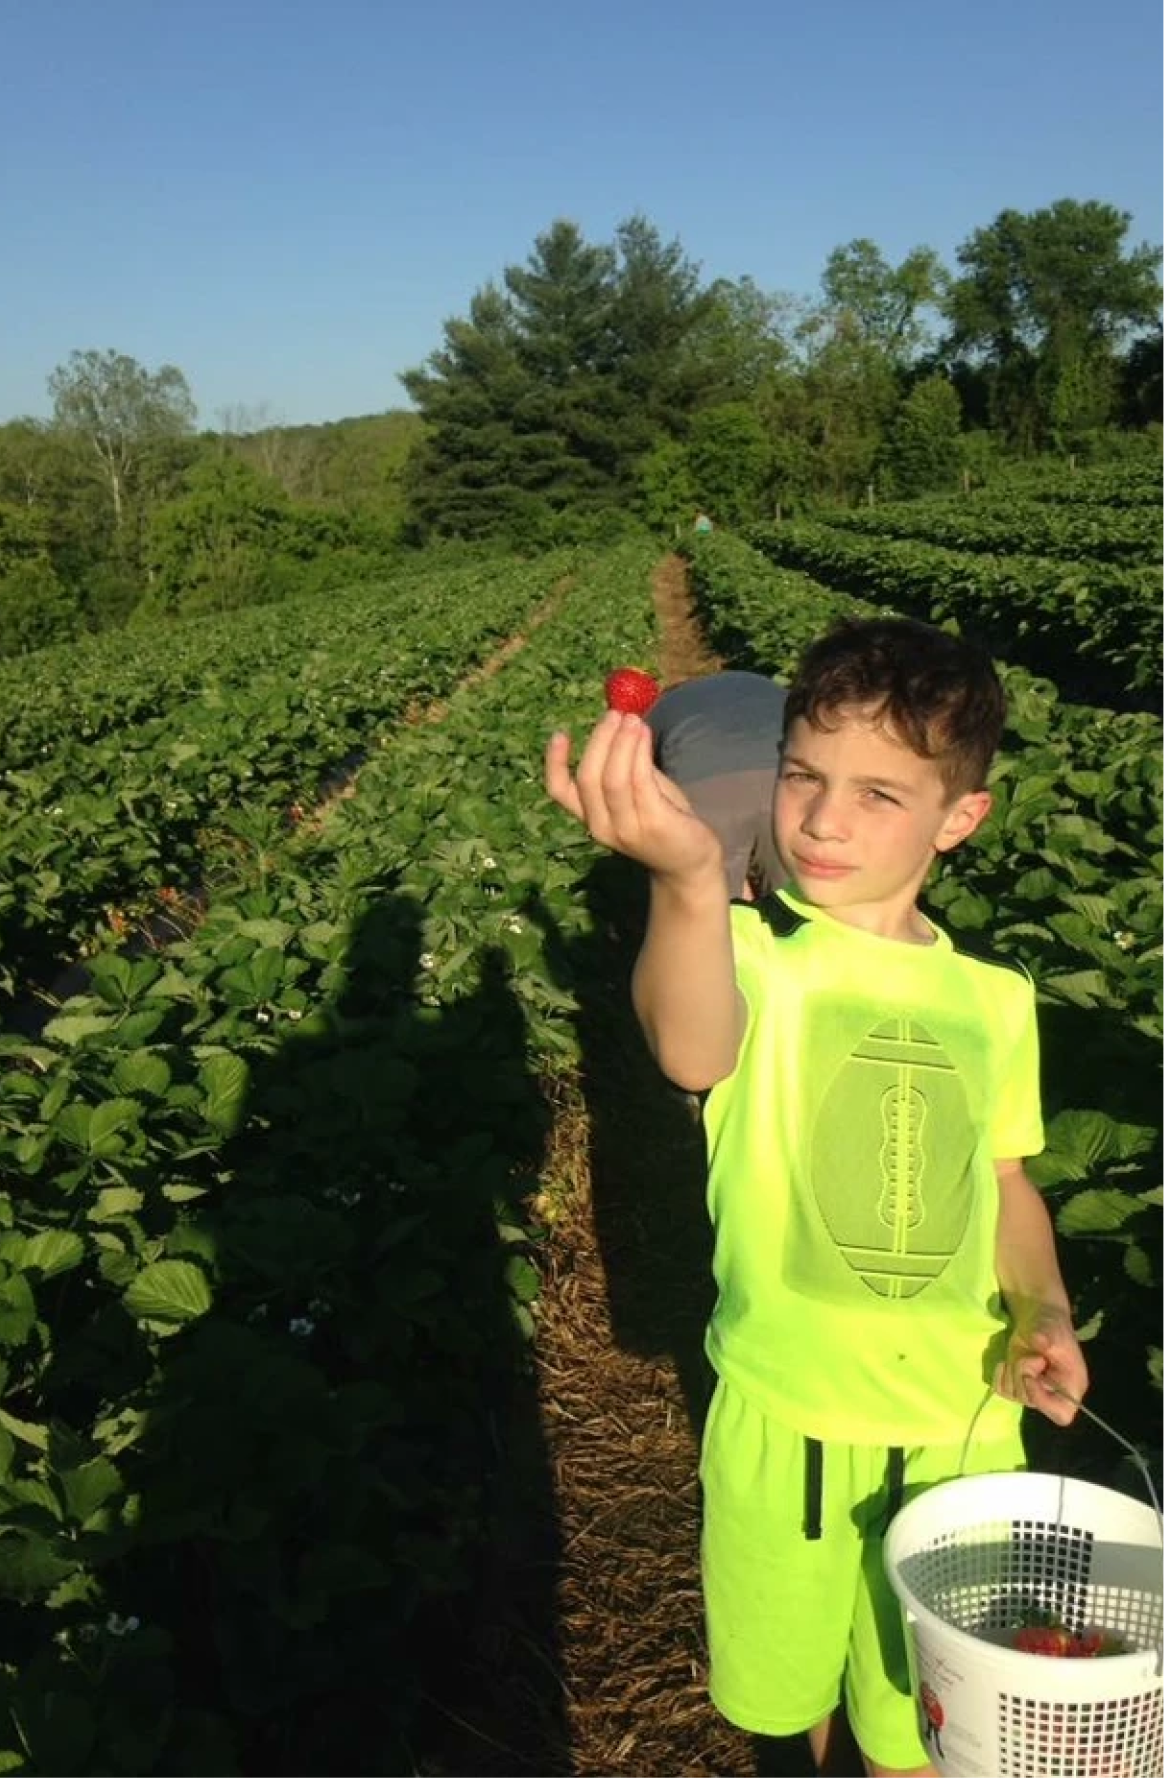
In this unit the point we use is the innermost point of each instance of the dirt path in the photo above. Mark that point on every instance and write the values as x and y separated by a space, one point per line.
621 1384
683 653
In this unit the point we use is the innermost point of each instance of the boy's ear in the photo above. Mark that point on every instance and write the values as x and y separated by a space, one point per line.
964 814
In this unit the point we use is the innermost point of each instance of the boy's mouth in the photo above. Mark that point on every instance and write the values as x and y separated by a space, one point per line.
823 869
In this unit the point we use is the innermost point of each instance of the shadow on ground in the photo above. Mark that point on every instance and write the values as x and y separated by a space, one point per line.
341 1462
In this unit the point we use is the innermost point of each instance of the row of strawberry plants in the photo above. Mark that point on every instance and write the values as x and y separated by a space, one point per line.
264 1263
120 679
1066 876
1126 535
135 810
1093 629
1132 484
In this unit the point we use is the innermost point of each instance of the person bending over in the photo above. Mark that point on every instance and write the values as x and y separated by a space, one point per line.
718 738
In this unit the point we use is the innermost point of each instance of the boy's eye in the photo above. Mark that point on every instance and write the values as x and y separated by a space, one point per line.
793 777
881 796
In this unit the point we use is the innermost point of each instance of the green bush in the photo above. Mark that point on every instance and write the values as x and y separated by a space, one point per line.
35 609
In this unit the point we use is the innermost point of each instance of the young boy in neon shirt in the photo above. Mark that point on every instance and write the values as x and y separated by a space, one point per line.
888 1288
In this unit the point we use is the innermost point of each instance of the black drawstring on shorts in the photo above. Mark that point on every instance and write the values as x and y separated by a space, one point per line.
894 1485
814 1486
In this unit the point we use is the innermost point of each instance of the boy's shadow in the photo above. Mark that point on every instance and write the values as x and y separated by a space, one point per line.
347 1524
646 1151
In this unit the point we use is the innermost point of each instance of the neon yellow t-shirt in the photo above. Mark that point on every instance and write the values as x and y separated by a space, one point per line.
851 1177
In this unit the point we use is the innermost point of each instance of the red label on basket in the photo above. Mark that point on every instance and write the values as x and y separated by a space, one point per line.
950 1720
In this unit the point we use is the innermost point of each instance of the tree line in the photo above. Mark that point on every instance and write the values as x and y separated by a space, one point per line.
600 380
118 510
594 386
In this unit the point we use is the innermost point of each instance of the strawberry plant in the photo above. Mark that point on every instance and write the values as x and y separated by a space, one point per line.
267 1273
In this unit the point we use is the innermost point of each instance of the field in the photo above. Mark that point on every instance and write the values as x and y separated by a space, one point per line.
314 1034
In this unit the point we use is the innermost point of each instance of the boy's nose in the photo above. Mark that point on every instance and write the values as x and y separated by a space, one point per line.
824 818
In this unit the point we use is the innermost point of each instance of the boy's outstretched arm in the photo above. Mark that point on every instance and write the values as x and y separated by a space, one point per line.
1042 1349
684 987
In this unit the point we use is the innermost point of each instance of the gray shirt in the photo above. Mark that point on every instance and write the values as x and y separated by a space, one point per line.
718 738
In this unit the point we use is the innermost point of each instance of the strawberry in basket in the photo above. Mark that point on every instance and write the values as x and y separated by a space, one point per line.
1042 1633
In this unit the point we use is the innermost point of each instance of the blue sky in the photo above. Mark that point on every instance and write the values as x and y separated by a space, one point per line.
286 199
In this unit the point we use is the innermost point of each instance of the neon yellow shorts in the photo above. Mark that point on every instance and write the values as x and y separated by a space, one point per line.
796 1623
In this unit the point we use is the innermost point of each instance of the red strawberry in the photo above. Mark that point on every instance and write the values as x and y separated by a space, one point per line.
1044 1639
630 691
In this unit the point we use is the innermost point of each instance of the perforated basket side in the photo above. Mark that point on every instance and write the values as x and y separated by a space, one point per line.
1105 1738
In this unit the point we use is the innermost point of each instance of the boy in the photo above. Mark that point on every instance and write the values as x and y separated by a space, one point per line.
718 738
888 1291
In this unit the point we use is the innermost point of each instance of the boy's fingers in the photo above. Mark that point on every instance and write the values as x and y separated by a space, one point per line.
604 775
622 770
559 783
1050 1402
1029 1379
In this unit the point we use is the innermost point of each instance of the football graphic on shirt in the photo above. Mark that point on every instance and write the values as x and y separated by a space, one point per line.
896 1208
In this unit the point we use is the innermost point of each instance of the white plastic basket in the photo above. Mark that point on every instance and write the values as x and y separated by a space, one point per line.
966 1560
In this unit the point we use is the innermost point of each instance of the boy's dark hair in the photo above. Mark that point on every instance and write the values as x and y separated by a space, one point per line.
938 693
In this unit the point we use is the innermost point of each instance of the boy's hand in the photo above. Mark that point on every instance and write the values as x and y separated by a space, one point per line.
626 803
1043 1351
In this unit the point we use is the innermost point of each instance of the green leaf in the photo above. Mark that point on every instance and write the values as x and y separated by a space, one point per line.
225 1080
25 1430
171 1291
522 1278
98 1129
111 976
17 1315
1078 1142
1096 909
1138 1265
52 1251
1082 987
266 972
116 1200
1097 1212
29 1569
142 1073
111 1120
273 933
73 1028
138 1027
89 1487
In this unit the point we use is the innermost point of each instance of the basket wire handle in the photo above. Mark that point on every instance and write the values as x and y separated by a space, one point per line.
1141 1465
